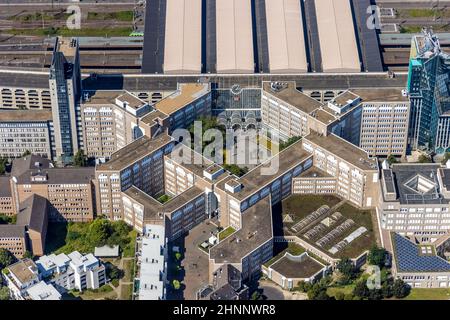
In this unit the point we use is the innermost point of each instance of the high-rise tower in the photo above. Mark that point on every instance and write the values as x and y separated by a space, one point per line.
428 88
65 88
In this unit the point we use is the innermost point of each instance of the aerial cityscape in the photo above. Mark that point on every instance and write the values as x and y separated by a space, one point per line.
223 150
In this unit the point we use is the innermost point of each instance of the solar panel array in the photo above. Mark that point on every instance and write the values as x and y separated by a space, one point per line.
408 258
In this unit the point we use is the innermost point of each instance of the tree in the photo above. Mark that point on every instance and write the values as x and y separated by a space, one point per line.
256 295
28 255
4 293
6 258
3 163
386 289
177 256
303 286
400 289
114 272
377 256
99 232
340 295
26 153
361 289
347 270
391 159
424 159
80 159
446 158
176 284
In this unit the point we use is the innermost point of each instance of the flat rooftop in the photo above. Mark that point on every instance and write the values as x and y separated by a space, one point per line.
186 94
414 183
151 117
134 151
295 98
255 180
381 95
290 267
131 100
345 97
25 270
58 176
25 115
256 230
344 150
103 97
314 172
153 209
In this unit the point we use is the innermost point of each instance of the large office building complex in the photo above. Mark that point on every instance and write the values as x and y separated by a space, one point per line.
428 81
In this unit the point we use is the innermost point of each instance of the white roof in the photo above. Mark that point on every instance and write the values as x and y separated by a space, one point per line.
234 36
338 46
43 291
152 263
79 260
52 261
183 37
106 251
286 41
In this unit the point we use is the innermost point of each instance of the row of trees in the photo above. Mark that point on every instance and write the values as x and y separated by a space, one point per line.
6 259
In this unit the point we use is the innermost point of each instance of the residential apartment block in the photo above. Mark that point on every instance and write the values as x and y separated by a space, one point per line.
72 271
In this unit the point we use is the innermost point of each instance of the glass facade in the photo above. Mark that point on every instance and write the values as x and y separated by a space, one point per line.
428 87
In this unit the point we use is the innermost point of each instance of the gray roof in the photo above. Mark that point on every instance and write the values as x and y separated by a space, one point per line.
292 267
408 258
445 174
22 165
405 178
33 212
5 187
12 231
256 230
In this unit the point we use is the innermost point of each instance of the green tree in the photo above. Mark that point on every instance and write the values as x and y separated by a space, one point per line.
391 159
176 284
347 270
6 258
340 295
256 295
28 255
289 142
377 256
26 153
386 289
80 159
113 272
424 159
446 158
177 256
99 232
4 293
361 289
3 163
400 289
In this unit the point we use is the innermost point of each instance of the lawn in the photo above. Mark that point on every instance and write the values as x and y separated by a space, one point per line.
422 13
332 291
225 233
299 206
128 268
129 250
104 292
429 294
126 292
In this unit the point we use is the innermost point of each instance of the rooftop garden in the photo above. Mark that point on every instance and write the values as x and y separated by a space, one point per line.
225 233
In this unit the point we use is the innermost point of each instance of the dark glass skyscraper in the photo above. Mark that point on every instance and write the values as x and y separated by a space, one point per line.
428 88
